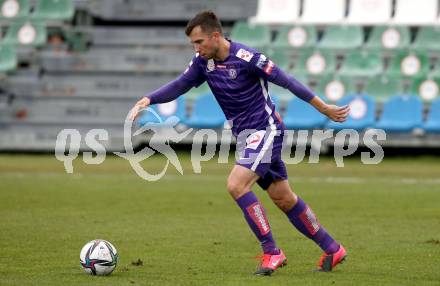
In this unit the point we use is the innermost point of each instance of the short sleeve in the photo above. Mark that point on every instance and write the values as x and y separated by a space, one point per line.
193 73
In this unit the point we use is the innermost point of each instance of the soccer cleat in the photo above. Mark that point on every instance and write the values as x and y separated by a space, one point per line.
329 261
270 262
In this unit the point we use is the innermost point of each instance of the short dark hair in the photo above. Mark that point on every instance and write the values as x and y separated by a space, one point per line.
208 22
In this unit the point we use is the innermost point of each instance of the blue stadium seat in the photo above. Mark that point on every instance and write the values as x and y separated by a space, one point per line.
206 113
362 113
165 111
432 124
401 113
301 115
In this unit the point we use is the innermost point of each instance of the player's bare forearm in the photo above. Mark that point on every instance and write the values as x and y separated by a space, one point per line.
334 112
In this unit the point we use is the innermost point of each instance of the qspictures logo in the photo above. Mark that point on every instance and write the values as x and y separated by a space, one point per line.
253 146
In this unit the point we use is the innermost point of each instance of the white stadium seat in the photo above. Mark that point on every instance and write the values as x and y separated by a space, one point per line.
323 12
411 12
369 12
276 12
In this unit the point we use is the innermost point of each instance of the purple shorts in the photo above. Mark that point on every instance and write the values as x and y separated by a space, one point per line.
261 153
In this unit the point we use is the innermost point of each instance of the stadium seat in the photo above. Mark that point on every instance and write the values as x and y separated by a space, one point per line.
426 88
369 12
292 37
276 12
323 12
26 33
342 38
432 123
164 111
409 64
382 87
362 113
8 58
427 39
416 13
206 113
333 88
301 115
316 63
281 59
14 9
57 10
401 113
361 64
388 38
256 36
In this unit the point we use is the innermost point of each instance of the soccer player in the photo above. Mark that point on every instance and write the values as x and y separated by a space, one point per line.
238 77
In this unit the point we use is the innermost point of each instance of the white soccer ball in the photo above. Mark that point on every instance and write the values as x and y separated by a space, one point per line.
98 257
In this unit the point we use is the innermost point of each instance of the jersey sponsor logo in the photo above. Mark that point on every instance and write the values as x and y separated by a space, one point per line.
254 140
256 213
244 55
232 73
221 66
210 66
262 61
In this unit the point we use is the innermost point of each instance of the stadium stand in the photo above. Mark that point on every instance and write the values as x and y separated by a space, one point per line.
13 9
369 12
432 124
277 12
426 14
323 12
401 113
82 64
206 113
301 115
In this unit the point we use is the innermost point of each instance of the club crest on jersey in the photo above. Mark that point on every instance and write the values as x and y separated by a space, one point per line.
232 73
210 65
244 55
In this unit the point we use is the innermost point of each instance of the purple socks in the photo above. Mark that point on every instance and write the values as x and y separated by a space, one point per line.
256 218
302 217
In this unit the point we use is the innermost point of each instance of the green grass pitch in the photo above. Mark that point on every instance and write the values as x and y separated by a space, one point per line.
188 231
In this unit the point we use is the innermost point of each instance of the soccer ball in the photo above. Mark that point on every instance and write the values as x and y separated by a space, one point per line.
98 257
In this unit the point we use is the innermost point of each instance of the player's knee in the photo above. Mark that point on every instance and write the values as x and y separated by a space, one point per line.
235 188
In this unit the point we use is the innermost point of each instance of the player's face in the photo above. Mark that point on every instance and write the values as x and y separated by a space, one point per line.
205 44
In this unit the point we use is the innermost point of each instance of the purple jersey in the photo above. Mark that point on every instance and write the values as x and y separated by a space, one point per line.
240 85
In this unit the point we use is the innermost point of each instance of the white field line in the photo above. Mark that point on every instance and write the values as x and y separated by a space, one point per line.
212 177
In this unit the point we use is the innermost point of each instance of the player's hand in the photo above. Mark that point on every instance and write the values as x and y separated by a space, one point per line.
337 113
141 104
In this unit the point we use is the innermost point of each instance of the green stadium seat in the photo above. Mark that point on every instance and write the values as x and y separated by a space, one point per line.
315 63
14 9
334 88
427 39
361 64
8 58
427 88
281 59
388 38
255 36
26 33
409 64
381 88
342 38
292 37
57 10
